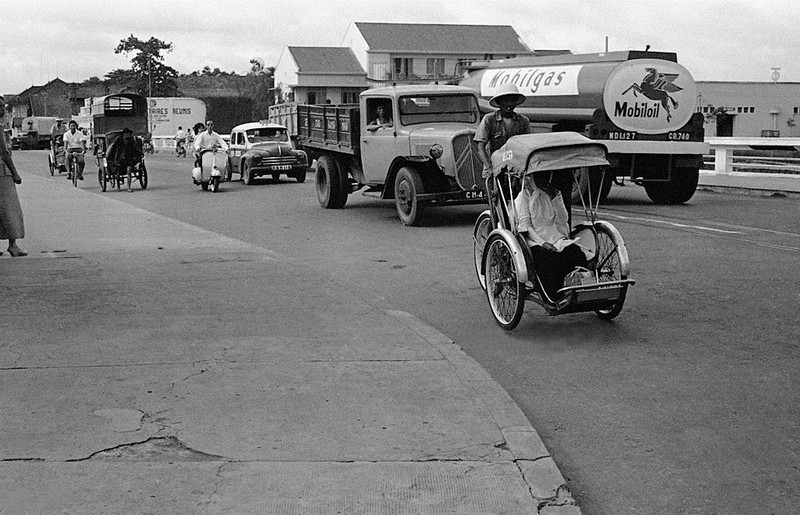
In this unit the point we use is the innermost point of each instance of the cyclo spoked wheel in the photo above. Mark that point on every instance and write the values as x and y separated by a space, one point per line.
142 175
101 178
609 266
505 293
483 226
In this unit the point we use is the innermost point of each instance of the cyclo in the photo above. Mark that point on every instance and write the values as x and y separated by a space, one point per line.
110 114
503 260
56 157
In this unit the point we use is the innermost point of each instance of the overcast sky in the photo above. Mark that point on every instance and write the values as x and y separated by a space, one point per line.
730 40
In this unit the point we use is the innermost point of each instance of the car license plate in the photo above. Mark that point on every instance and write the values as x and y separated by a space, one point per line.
282 167
474 194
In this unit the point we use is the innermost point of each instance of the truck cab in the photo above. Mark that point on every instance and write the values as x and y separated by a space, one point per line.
429 126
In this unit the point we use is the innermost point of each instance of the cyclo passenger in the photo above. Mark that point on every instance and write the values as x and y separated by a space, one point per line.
545 223
125 153
75 141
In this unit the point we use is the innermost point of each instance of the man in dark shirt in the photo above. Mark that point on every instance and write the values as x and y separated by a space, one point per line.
497 127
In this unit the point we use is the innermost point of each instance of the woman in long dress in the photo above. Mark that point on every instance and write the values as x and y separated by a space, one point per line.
12 227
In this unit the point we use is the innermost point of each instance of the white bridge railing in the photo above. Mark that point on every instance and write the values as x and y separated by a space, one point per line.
725 161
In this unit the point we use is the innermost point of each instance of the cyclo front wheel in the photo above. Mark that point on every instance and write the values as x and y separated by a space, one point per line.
483 226
142 175
505 293
612 265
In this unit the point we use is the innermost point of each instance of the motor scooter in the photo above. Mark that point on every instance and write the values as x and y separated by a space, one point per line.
212 169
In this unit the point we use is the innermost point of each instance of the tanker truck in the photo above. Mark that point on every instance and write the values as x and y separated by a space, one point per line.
641 105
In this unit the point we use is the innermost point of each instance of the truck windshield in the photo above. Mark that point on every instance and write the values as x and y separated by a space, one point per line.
267 134
438 108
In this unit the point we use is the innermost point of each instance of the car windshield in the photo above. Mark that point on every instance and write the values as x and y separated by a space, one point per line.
438 108
266 134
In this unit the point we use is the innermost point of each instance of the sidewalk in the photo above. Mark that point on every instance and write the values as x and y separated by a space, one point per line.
751 181
122 393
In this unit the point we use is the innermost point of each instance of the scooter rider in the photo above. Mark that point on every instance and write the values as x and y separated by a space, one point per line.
209 140
205 141
75 141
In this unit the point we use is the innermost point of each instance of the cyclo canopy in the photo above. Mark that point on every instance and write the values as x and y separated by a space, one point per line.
544 152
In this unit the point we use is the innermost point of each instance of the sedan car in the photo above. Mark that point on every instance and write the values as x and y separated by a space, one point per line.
261 148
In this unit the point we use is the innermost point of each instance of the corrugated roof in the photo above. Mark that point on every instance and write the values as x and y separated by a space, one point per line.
442 38
315 59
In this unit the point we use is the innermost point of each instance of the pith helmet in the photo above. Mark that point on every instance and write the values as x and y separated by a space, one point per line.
507 90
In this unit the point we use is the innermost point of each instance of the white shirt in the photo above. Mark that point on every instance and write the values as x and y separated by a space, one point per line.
181 134
206 141
543 219
74 141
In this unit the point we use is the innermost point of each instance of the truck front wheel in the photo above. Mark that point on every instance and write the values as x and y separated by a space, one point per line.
332 187
407 187
679 189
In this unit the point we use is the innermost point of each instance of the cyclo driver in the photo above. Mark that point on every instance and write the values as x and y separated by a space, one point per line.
75 141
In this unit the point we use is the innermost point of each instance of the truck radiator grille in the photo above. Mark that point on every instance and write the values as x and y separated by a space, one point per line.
468 165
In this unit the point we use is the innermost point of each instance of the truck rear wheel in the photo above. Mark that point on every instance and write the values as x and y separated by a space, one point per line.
407 186
679 189
332 187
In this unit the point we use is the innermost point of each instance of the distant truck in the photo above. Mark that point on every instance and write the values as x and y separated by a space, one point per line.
426 157
641 105
34 133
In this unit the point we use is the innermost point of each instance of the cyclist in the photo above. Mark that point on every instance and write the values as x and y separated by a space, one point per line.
180 140
75 141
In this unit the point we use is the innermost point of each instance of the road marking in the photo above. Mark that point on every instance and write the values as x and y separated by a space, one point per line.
674 224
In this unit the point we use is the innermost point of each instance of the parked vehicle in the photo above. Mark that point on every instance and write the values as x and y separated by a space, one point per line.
426 157
34 133
261 148
641 105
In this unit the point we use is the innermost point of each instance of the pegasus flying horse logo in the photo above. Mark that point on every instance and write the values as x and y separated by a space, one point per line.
658 86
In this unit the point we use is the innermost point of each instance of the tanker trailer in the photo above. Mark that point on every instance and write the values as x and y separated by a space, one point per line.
641 105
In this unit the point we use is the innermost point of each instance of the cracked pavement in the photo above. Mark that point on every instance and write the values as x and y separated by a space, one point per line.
152 366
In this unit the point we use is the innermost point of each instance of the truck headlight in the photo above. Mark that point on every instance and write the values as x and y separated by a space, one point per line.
436 151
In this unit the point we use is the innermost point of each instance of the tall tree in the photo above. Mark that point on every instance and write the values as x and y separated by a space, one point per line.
151 76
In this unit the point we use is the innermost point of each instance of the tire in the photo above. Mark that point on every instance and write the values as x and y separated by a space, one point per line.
407 186
480 234
300 176
229 171
331 184
102 179
142 176
51 165
204 186
275 176
591 183
213 185
505 293
247 176
613 266
678 190
74 168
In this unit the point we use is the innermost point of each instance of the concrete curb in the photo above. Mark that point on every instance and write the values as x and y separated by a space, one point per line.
751 183
546 483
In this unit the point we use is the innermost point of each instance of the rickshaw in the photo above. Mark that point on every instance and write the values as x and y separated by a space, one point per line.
111 114
56 158
503 261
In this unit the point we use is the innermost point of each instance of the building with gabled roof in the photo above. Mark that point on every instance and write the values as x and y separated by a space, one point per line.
421 52
316 75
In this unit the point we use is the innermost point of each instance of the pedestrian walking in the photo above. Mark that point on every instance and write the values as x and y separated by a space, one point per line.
12 227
